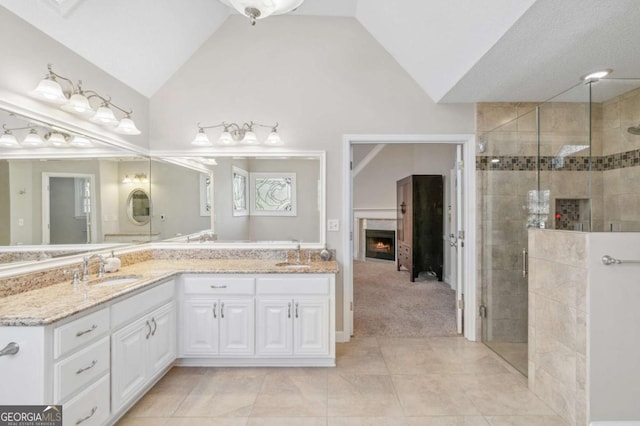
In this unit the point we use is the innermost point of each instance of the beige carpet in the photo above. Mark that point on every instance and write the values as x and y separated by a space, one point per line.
387 304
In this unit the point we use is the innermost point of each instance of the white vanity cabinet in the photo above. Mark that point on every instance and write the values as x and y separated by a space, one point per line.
143 343
218 315
257 320
294 315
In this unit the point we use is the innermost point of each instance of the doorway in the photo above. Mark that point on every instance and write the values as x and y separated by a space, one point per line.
68 208
353 238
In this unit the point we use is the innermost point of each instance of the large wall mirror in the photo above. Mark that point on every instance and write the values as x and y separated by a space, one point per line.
63 193
257 199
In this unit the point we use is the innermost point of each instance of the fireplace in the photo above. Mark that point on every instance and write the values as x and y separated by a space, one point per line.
380 244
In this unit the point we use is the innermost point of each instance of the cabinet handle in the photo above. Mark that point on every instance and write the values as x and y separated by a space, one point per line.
215 306
289 310
80 333
149 332
82 370
12 348
296 309
222 310
218 286
93 411
155 326
525 263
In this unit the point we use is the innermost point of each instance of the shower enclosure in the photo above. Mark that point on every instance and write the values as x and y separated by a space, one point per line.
571 163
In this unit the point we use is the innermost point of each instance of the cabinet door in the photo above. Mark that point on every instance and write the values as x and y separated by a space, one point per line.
162 343
311 326
237 326
129 361
200 327
275 326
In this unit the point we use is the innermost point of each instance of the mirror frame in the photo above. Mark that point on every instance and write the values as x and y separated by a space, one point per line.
130 214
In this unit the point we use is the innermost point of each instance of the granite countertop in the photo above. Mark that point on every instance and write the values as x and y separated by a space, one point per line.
58 301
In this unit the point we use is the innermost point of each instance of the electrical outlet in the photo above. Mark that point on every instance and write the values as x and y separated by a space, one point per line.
333 225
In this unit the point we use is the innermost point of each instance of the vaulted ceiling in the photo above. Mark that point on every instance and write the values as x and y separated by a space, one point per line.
456 50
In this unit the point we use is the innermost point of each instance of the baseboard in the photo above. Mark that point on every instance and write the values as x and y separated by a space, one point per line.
616 423
342 337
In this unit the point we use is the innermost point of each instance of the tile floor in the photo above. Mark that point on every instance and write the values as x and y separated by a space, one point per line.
378 381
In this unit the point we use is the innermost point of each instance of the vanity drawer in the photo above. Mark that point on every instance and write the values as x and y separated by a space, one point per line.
89 408
293 285
135 306
213 284
72 335
80 369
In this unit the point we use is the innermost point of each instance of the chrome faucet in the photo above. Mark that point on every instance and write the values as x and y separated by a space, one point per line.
85 266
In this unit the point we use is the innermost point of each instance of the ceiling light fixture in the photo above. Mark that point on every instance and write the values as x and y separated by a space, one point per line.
234 133
597 75
259 9
77 101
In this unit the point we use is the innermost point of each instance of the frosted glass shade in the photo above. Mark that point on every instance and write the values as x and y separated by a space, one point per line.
58 140
79 104
7 140
80 142
33 140
105 116
201 139
226 139
273 140
250 138
127 127
50 91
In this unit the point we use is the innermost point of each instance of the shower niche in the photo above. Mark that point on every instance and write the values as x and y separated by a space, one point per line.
572 214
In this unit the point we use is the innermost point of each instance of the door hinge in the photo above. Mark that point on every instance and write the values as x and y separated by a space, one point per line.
460 165
461 304
461 234
350 165
351 306
483 311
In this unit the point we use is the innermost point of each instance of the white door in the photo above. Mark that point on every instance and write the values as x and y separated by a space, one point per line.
237 330
310 334
129 361
458 239
275 326
200 327
162 343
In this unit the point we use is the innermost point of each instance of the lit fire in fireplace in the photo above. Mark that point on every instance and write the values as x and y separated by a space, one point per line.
380 246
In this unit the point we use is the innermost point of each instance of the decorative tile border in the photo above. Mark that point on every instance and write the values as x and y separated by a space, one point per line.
547 163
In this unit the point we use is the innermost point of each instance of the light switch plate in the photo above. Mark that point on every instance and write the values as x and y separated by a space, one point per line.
333 225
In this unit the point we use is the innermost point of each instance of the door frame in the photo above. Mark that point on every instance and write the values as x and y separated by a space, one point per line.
468 142
46 206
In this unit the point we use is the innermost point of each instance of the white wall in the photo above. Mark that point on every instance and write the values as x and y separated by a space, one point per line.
5 205
614 335
319 77
26 52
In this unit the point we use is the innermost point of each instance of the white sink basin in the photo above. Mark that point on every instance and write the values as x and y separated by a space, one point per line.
292 265
115 280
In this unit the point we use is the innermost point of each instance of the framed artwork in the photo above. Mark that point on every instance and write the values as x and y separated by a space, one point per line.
273 194
205 194
239 191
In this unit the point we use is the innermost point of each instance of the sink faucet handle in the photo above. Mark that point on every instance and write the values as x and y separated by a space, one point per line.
75 275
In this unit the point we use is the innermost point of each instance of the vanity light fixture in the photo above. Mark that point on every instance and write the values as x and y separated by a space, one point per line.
234 133
258 9
137 178
77 101
52 137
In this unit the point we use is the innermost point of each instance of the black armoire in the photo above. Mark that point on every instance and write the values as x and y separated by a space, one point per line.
420 224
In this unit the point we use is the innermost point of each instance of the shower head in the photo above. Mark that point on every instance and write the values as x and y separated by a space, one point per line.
634 130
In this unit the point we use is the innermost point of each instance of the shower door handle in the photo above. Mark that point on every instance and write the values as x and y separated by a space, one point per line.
525 263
